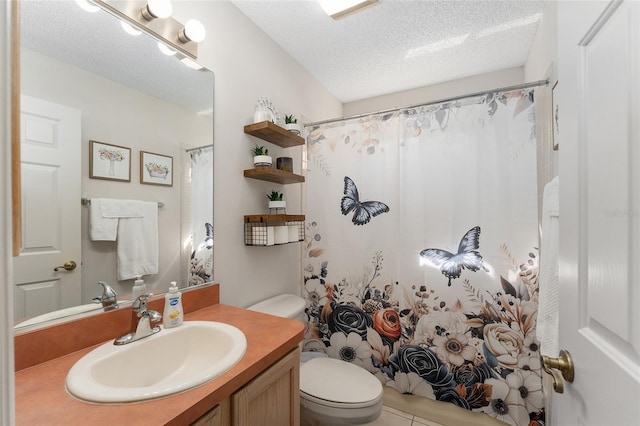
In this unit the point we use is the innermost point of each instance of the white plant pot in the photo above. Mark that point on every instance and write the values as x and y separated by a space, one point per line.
262 160
277 204
293 128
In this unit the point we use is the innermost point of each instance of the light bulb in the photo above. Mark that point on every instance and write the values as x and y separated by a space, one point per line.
193 31
164 49
87 6
157 9
129 29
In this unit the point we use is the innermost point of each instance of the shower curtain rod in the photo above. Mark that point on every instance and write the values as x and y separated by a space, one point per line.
200 147
439 101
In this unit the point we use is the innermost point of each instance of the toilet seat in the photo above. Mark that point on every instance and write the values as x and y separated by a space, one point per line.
334 404
335 383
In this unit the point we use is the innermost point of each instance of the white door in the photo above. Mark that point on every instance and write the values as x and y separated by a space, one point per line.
50 164
599 129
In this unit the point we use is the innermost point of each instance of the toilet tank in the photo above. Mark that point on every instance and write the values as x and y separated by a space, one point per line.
283 305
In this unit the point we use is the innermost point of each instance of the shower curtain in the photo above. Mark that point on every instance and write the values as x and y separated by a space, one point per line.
201 262
420 260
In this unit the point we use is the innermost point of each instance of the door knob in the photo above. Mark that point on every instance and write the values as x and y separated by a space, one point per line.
560 368
69 265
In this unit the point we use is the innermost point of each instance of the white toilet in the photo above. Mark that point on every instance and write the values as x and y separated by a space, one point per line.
332 392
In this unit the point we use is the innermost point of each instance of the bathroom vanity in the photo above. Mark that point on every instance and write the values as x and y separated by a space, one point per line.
261 389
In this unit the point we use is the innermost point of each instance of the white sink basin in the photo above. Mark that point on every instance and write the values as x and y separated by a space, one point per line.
165 363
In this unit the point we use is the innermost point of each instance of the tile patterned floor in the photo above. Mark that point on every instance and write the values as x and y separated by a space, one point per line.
393 417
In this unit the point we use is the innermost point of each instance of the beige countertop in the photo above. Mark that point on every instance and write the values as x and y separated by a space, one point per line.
42 399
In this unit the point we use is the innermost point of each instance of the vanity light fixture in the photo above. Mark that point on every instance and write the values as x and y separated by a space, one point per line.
161 9
155 19
193 31
339 9
87 6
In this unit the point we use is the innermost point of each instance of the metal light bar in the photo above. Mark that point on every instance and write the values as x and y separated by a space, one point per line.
166 30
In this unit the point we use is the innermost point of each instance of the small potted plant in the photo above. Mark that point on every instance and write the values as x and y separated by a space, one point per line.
275 200
261 156
291 124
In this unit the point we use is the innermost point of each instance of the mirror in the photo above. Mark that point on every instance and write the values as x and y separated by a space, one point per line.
128 97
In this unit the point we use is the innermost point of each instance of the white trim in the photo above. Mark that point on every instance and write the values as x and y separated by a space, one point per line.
7 406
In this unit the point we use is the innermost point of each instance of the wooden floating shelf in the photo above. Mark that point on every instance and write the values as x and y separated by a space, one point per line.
273 218
270 132
274 175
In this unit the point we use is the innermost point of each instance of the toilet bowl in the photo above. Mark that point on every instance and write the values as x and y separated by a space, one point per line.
332 392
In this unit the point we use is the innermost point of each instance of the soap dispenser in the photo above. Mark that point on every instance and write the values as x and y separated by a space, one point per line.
173 314
139 288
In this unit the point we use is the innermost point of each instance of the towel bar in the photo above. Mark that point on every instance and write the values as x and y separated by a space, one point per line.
87 202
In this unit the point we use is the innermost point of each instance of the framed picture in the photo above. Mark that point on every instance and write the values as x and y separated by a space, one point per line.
111 162
156 169
554 116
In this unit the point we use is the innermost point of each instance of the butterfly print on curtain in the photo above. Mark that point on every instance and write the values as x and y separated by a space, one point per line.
362 211
467 257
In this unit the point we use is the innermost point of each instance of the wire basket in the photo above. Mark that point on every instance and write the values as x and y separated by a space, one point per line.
273 229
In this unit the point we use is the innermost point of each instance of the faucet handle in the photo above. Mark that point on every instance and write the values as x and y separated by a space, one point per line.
109 297
153 316
140 304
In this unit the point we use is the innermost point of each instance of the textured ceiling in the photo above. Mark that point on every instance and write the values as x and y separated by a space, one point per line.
399 44
97 43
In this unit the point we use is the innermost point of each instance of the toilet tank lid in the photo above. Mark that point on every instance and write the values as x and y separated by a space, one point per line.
283 305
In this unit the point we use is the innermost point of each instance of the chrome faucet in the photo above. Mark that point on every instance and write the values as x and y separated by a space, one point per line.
109 297
141 319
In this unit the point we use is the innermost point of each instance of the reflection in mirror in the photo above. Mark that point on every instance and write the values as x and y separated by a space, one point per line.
84 79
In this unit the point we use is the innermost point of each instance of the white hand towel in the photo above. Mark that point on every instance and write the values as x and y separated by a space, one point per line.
137 247
101 228
549 284
115 208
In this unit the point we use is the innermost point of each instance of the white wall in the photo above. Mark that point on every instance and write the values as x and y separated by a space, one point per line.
463 86
249 65
544 49
115 114
542 64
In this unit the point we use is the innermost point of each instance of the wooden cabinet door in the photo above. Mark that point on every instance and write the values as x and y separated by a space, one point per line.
272 398
217 416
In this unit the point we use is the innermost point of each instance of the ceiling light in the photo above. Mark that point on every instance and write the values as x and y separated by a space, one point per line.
157 9
191 64
87 6
129 29
164 49
340 8
193 31
531 19
447 43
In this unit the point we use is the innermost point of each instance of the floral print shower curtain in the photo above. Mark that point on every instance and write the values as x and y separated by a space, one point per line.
201 189
421 251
